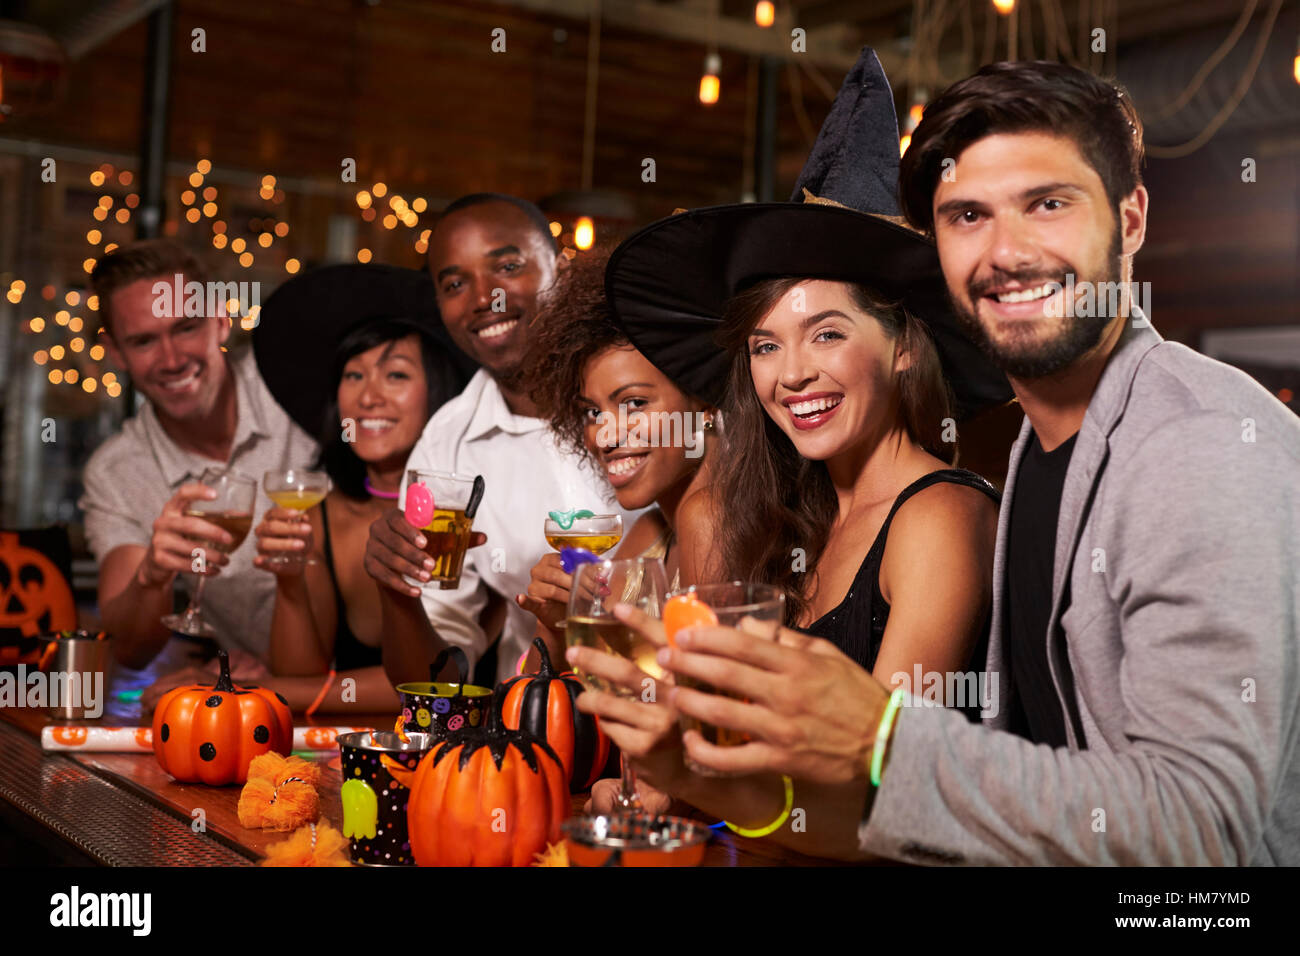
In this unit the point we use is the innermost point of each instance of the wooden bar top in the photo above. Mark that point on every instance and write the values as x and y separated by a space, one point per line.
139 775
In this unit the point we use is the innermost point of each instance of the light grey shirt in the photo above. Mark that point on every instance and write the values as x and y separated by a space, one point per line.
1176 602
132 475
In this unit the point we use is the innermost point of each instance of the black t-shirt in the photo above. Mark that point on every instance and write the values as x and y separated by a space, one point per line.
1031 555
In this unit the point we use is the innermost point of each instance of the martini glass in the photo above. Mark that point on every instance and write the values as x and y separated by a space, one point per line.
596 533
297 490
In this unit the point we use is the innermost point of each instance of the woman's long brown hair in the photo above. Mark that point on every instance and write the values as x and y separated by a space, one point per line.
775 505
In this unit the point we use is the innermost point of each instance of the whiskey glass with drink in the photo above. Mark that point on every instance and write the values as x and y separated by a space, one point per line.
442 505
723 605
231 511
597 587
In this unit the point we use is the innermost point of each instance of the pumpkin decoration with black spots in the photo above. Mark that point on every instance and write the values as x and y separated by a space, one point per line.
211 734
545 705
35 600
484 796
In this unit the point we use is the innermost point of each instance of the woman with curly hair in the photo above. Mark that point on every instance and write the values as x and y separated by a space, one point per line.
649 438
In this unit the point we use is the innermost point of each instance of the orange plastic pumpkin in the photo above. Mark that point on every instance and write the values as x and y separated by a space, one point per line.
485 796
34 599
545 705
211 734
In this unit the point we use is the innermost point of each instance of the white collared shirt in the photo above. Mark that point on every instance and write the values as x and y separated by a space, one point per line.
526 475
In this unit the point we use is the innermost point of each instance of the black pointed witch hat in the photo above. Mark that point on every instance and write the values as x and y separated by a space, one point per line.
669 283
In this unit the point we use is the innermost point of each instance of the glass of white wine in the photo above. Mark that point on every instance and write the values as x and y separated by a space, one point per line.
297 490
231 511
597 587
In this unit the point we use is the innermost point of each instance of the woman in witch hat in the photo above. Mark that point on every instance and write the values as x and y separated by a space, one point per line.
357 355
846 376
651 439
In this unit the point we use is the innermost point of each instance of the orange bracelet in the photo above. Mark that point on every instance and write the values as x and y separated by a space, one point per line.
329 682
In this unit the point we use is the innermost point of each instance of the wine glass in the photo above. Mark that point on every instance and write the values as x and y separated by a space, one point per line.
297 490
597 587
596 533
232 511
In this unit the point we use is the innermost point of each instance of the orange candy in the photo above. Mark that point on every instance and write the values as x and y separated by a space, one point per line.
686 610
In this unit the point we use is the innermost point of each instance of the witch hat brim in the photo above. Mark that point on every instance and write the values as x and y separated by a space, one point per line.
302 323
669 284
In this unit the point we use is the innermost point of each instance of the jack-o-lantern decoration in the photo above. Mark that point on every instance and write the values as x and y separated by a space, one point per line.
35 599
211 734
545 705
484 796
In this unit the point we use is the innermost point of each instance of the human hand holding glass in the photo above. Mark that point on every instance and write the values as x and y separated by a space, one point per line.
597 587
231 512
283 543
797 704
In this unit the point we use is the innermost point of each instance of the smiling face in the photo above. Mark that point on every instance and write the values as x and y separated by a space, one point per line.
1023 210
175 362
824 370
383 390
639 472
476 251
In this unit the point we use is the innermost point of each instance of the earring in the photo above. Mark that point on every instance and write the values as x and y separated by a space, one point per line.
708 424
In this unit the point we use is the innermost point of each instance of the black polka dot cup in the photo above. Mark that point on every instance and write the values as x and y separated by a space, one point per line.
440 708
374 804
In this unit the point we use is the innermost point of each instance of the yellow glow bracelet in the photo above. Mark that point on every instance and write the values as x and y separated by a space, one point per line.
882 733
775 824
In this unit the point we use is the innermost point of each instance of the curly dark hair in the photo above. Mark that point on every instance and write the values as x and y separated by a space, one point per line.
574 324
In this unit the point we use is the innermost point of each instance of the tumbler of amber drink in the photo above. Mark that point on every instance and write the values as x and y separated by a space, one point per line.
731 603
446 533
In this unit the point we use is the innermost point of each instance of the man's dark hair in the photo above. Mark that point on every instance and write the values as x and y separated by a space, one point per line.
337 459
535 215
1024 97
146 259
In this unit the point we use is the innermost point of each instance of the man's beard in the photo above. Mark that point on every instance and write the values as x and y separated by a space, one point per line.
1076 335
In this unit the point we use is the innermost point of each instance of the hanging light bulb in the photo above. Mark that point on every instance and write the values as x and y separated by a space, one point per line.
584 233
709 83
1004 7
764 14
914 114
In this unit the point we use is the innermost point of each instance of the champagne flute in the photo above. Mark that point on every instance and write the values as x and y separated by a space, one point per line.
596 533
232 511
297 490
597 587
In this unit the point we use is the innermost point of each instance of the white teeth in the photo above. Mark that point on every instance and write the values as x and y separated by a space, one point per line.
375 424
497 329
816 405
181 383
1028 295
623 466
